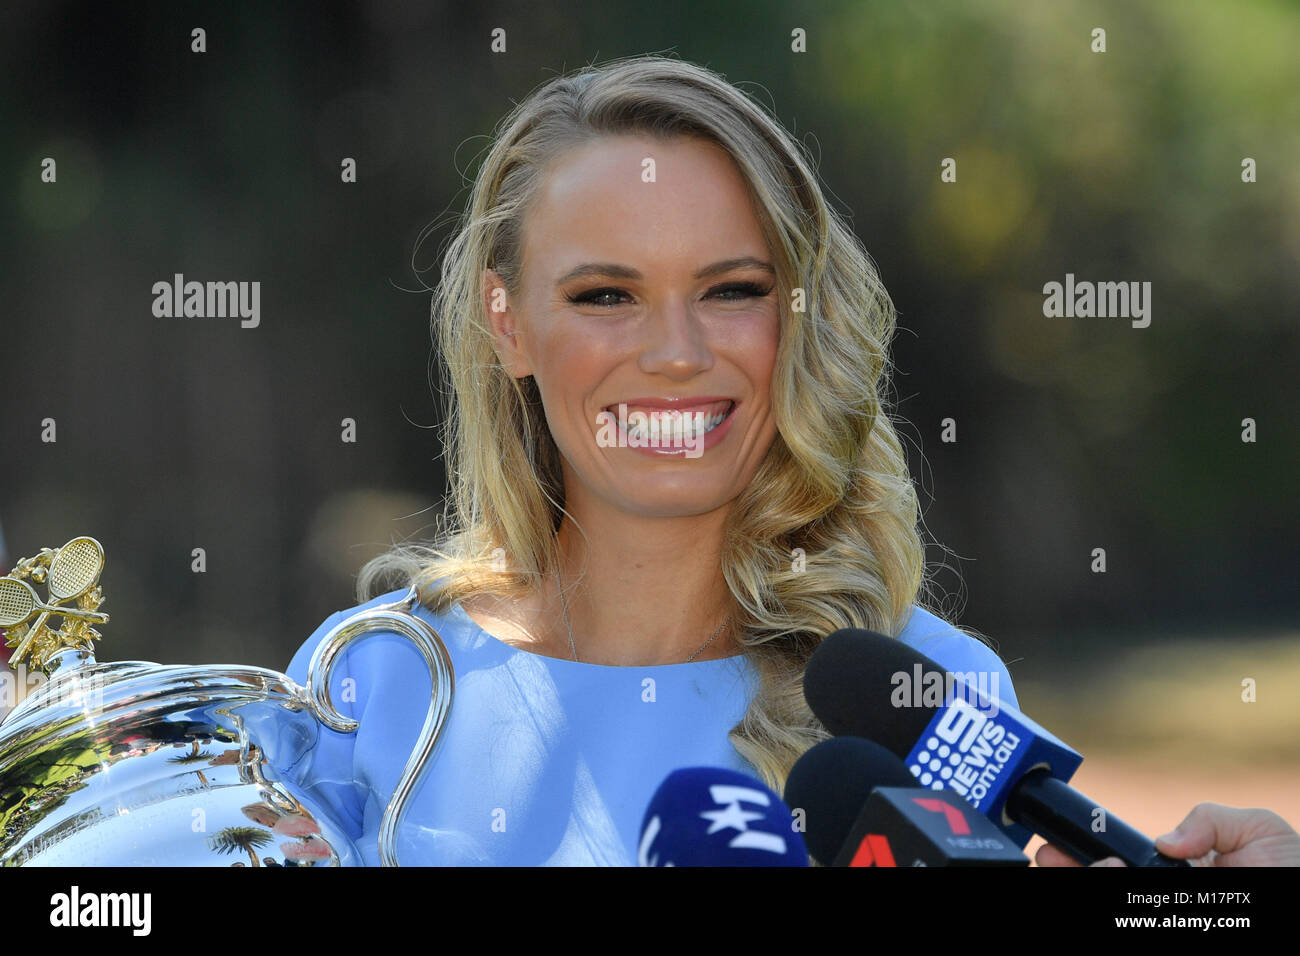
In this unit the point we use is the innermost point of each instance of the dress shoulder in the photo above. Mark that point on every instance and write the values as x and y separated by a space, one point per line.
329 768
297 668
958 652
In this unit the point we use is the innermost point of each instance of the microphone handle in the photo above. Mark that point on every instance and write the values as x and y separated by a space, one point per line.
1063 816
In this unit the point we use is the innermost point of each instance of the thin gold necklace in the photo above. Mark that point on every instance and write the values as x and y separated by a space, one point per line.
573 647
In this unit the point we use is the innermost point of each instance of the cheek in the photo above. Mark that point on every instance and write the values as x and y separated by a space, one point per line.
568 366
562 355
755 348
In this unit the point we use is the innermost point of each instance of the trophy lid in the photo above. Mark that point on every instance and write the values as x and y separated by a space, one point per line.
101 692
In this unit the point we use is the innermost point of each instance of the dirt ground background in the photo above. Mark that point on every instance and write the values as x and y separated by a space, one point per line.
1164 727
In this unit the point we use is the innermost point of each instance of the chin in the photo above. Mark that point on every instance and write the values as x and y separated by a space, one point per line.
672 499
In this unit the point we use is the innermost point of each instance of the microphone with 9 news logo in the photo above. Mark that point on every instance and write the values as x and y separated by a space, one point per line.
968 743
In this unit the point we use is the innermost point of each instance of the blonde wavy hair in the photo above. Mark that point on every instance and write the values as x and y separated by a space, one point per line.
825 536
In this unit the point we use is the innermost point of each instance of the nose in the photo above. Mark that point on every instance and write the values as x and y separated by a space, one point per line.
675 344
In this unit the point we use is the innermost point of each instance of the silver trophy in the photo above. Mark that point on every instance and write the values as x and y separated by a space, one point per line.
138 764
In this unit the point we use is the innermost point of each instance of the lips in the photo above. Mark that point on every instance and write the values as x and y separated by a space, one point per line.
672 426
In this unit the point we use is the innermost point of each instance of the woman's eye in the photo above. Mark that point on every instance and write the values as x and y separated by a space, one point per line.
595 297
744 290
732 292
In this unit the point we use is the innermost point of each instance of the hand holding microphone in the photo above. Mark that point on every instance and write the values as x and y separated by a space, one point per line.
1213 835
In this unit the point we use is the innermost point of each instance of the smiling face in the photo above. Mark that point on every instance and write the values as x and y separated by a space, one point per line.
658 296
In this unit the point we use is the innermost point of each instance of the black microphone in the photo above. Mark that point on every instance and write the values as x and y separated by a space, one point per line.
861 807
954 736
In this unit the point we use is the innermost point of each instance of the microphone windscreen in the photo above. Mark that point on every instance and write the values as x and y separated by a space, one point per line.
850 683
831 782
711 816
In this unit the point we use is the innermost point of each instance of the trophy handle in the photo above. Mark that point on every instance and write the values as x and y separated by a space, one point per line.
398 617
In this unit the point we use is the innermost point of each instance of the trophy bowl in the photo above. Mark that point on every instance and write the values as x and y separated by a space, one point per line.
132 763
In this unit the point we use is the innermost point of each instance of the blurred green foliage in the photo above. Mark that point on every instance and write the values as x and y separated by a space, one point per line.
1072 433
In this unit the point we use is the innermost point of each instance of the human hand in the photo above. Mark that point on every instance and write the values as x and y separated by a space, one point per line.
1213 835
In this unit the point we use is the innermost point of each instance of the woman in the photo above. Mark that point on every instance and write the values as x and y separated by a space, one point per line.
646 259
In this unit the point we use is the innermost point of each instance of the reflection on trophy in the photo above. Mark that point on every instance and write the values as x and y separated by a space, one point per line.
133 763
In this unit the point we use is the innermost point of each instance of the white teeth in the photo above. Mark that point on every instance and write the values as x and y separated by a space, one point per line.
669 428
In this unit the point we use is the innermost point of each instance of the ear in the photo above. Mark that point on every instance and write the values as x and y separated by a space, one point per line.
507 338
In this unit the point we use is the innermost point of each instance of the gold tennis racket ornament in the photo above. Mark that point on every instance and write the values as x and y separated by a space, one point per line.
70 573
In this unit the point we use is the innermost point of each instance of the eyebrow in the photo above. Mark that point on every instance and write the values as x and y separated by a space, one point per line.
614 270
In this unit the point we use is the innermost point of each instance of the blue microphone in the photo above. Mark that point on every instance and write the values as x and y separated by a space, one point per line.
710 816
954 736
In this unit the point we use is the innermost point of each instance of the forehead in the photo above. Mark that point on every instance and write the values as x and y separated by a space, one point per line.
595 203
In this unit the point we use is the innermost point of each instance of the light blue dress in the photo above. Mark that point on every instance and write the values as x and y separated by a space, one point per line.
543 761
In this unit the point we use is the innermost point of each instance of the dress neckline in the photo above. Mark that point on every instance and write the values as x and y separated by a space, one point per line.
565 662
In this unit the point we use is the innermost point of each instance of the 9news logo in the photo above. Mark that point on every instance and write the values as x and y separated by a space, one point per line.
966 750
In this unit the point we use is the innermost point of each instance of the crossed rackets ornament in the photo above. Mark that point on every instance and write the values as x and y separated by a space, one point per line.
70 573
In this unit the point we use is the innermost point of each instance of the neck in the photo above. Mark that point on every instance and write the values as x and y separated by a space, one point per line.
643 590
